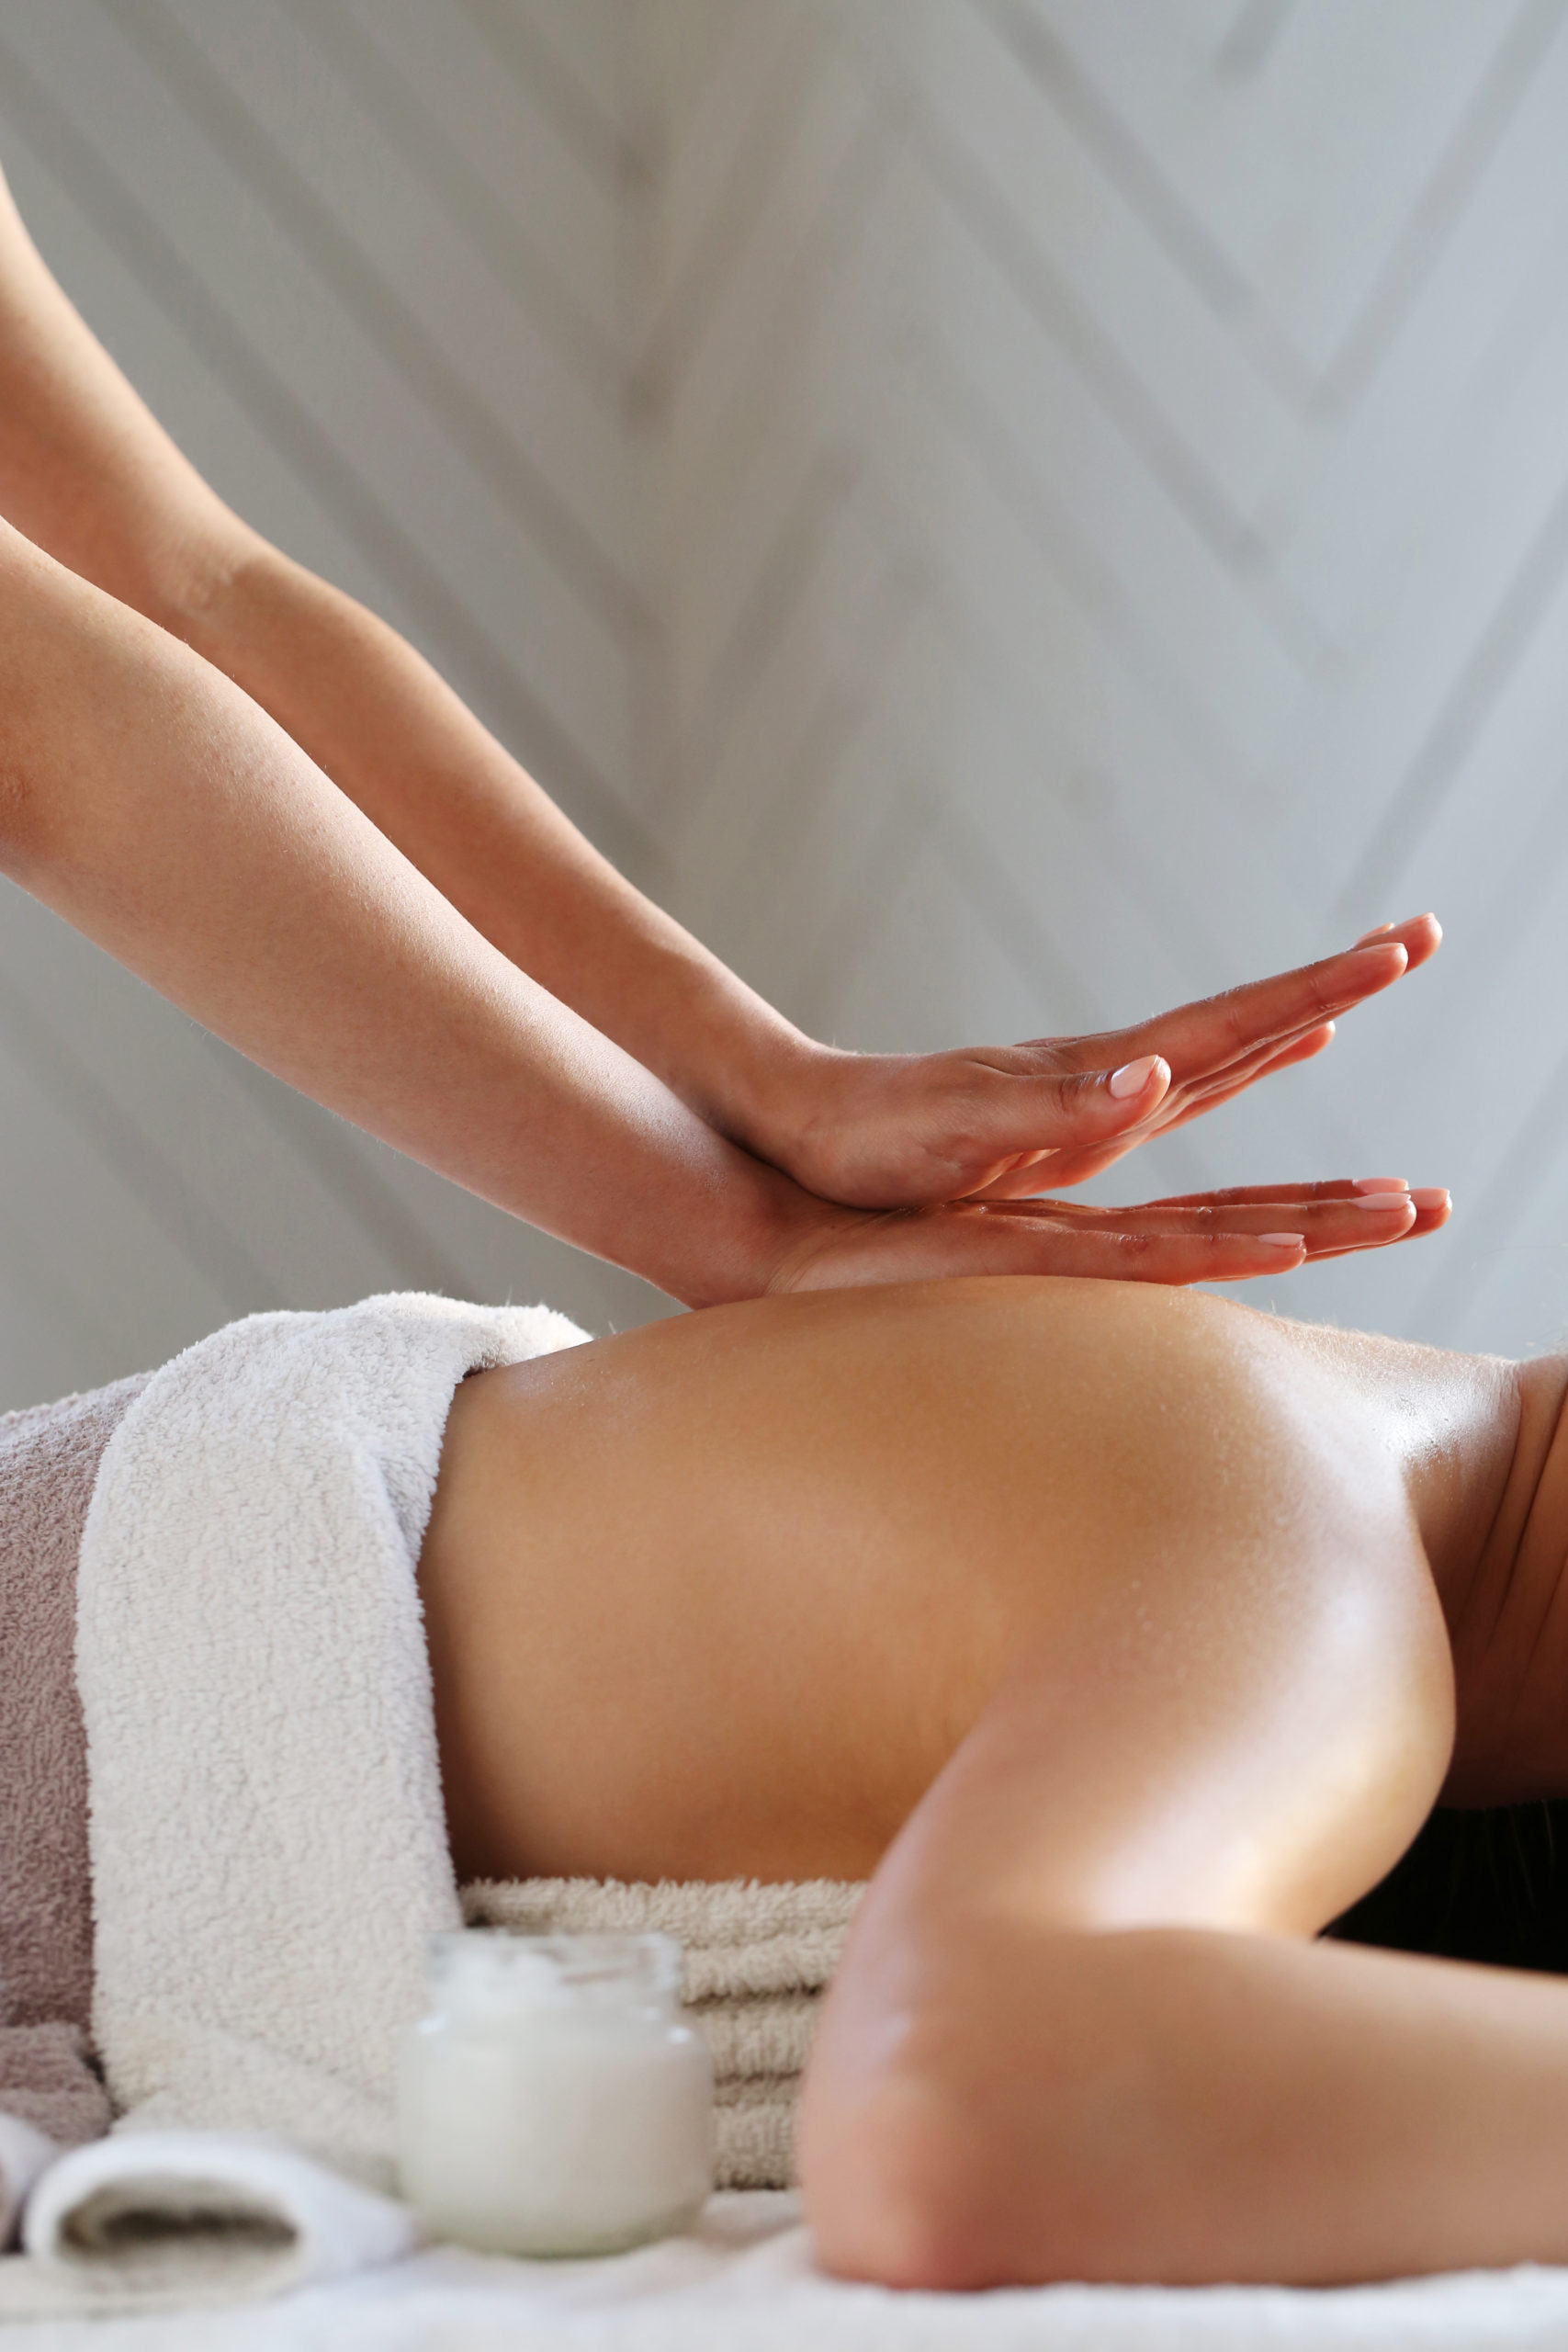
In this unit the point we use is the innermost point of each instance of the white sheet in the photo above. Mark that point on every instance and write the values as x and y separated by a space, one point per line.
746 2284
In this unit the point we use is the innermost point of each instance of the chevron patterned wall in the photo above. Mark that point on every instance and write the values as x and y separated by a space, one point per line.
1007 514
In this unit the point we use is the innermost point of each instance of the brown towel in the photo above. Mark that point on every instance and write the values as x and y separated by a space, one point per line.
49 1461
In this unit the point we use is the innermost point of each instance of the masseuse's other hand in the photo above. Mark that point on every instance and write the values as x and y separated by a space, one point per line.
1003 1123
1204 1237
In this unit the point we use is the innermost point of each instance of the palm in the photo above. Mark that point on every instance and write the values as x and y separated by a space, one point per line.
1206 1238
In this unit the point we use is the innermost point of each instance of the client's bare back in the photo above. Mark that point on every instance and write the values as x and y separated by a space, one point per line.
725 1595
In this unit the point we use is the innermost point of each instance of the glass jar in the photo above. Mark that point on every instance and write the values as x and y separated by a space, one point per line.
556 2100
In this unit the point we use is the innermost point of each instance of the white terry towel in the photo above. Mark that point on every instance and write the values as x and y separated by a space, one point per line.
150 2220
268 1843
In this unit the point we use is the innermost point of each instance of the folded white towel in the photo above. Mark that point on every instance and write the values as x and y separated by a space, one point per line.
151 2219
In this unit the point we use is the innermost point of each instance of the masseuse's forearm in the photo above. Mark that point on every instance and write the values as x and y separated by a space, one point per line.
163 813
89 475
380 721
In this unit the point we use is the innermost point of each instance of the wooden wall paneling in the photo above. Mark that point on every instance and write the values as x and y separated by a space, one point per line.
98 1217
154 343
1308 170
506 385
1111 261
259 1221
536 184
492 517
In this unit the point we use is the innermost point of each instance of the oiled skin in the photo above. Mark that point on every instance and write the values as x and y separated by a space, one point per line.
1106 1627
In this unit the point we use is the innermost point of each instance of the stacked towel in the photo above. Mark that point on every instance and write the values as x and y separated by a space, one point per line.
758 1960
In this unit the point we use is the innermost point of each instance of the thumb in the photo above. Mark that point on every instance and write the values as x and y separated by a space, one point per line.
1013 1126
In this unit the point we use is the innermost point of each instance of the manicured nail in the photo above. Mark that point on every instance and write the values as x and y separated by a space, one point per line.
1377 947
1381 1201
1133 1077
1376 932
1430 1196
1380 1184
1284 1240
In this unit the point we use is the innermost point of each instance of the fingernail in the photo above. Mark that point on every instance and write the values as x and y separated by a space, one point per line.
1430 1196
1382 1201
1380 1184
1133 1077
1376 933
1284 1240
1377 947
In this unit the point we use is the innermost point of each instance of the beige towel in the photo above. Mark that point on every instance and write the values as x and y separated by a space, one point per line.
48 1459
759 1959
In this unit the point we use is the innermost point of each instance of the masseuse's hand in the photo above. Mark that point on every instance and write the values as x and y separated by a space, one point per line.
1204 1237
1004 1122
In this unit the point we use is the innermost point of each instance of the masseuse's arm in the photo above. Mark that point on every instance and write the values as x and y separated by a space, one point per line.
160 810
87 474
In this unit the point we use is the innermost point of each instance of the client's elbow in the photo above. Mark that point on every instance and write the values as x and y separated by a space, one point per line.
924 2186
1089 2155
887 2198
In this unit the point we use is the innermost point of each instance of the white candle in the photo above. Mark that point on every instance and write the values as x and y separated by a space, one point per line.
555 2101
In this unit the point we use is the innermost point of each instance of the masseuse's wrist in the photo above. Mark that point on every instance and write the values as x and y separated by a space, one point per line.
768 1228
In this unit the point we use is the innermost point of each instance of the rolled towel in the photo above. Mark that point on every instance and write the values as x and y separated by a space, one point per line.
153 2220
24 2155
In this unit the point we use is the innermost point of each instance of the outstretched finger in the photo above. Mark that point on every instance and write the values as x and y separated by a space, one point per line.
1335 1188
1199 1039
1203 1038
1433 1207
1420 935
1328 1225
